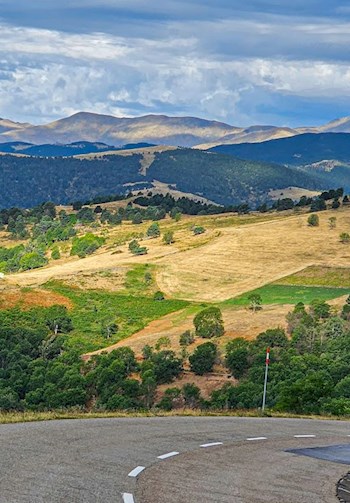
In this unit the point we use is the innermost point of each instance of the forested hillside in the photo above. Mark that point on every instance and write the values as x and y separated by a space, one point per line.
297 151
27 181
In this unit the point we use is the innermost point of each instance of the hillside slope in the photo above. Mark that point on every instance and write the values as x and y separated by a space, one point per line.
326 155
27 181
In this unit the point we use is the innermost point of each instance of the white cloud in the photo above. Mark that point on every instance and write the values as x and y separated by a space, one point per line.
49 74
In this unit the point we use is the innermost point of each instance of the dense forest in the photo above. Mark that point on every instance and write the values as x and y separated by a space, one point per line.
309 369
28 181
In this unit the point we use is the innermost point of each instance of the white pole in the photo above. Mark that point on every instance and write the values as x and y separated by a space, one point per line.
266 372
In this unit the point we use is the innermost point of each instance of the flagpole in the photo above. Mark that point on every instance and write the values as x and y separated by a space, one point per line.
267 361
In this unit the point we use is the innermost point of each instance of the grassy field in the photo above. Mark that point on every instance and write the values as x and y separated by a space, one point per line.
337 277
289 294
94 309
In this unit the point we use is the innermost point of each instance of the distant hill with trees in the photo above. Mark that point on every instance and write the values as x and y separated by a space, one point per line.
27 181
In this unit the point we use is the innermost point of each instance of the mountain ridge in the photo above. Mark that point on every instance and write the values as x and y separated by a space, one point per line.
185 131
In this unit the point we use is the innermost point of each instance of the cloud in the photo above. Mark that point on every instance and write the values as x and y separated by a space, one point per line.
228 60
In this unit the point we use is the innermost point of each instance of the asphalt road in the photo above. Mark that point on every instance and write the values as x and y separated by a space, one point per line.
116 460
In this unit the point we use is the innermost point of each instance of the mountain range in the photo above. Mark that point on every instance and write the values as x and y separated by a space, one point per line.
154 129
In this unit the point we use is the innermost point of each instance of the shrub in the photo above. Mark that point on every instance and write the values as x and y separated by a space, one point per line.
158 295
86 245
203 358
344 238
55 254
313 220
198 230
136 249
168 237
191 394
153 231
32 260
186 338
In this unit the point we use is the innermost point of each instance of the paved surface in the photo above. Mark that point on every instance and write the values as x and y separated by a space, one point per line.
116 460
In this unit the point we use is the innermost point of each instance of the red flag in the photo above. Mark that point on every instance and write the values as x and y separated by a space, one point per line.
267 356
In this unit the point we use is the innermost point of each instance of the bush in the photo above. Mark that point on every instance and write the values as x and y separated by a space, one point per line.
168 237
237 362
158 295
313 220
203 358
344 238
86 245
136 249
55 253
191 394
32 260
186 338
198 230
153 231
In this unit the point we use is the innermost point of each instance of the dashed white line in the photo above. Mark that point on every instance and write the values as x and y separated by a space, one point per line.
257 438
128 498
304 436
136 471
168 455
212 444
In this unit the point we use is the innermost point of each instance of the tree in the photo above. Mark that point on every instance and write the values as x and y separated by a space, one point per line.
168 237
86 245
203 358
166 366
237 362
313 220
209 323
137 218
191 394
320 309
136 249
255 302
153 230
32 260
158 295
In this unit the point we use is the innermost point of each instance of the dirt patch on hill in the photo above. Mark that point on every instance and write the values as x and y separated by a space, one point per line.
207 384
32 298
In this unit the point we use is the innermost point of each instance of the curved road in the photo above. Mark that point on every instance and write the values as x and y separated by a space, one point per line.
170 460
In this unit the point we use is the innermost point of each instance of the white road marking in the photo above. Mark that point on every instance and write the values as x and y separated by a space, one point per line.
304 436
257 438
168 455
136 471
212 444
128 498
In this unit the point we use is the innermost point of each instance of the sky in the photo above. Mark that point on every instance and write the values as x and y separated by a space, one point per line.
243 62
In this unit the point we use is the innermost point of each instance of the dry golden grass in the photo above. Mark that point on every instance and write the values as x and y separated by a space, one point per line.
292 192
235 255
239 322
